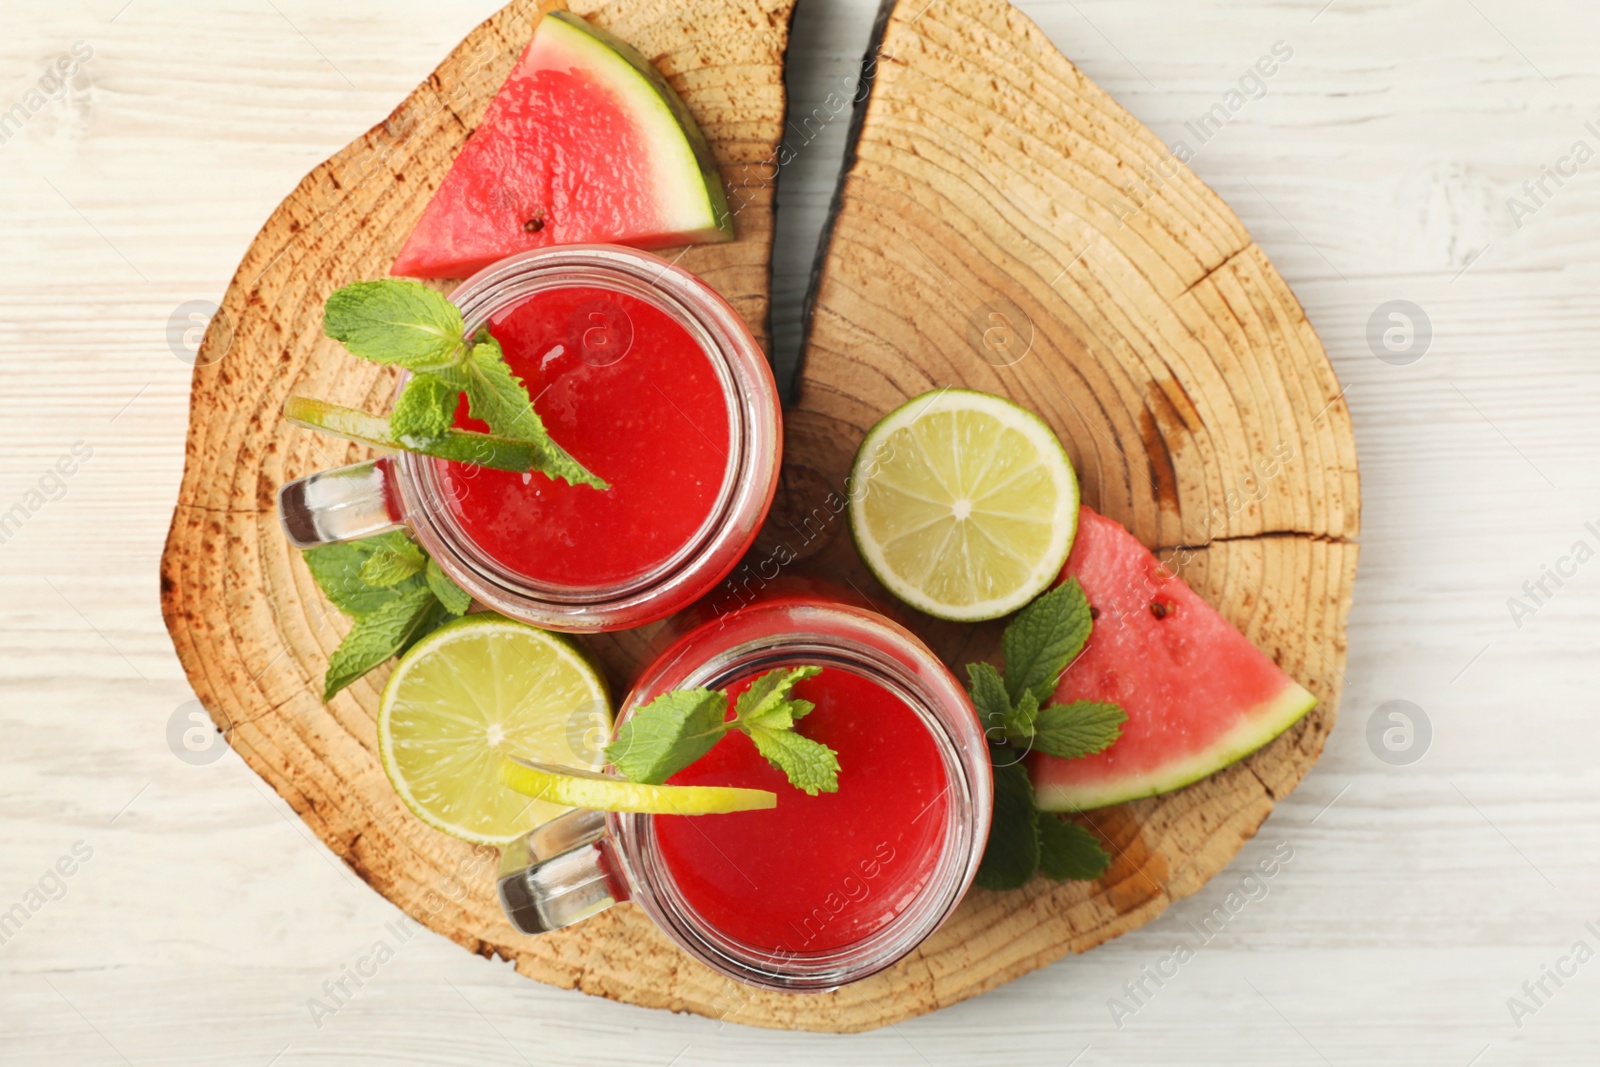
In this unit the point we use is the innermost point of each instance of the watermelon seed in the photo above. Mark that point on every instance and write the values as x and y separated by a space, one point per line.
1160 610
535 224
1094 613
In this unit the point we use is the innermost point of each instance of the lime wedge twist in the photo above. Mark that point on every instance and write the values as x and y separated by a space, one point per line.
601 792
461 446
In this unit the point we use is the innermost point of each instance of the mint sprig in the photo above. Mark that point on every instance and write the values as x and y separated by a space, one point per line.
406 324
681 725
393 591
1038 645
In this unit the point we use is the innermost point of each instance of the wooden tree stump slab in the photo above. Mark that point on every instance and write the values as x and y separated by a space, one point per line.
988 177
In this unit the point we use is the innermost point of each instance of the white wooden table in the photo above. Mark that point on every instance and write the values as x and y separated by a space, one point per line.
1375 165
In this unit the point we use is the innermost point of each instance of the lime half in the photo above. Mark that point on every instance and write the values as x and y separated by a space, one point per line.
590 789
963 504
468 694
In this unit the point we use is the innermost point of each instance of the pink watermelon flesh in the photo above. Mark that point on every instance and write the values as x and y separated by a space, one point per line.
1198 694
584 143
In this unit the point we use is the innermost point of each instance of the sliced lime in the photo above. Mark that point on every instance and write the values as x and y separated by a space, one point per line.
467 694
589 789
963 504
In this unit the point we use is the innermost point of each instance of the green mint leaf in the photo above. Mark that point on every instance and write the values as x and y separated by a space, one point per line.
377 636
1021 722
1068 851
669 733
556 462
337 569
1079 729
1043 638
398 322
1012 853
426 408
767 701
989 697
393 563
767 712
433 617
455 599
380 582
678 727
499 398
809 765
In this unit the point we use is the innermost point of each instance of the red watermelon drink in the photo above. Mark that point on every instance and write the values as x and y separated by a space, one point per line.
820 890
651 381
625 387
848 859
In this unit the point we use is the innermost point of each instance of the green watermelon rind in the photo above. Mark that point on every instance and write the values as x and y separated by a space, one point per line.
673 122
1261 725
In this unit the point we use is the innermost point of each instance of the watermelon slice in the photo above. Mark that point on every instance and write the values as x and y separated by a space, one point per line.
585 142
1198 694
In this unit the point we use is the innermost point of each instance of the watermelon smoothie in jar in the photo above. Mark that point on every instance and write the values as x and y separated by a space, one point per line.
652 382
820 890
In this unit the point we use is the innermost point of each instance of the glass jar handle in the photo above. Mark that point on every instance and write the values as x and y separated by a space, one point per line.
556 875
338 505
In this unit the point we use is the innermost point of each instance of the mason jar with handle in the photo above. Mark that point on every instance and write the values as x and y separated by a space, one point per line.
820 890
648 377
